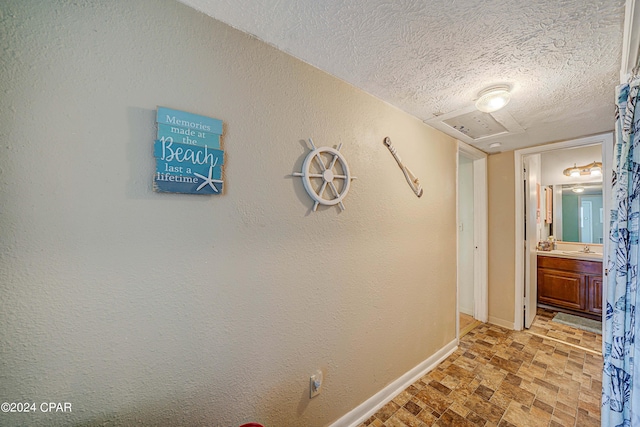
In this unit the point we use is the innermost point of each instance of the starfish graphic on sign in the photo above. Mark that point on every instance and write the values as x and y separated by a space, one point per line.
208 180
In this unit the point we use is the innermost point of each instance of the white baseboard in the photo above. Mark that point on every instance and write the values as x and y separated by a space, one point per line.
501 322
360 414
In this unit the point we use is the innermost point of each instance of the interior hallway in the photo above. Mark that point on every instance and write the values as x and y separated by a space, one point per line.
500 377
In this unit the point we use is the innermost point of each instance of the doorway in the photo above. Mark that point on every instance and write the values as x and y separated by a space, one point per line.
586 226
472 237
525 277
466 244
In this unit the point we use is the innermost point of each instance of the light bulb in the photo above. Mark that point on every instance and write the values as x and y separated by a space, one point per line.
493 98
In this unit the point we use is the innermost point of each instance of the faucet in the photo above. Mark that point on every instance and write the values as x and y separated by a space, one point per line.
586 249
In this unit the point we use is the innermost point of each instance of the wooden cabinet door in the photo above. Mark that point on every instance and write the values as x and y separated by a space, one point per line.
594 290
562 288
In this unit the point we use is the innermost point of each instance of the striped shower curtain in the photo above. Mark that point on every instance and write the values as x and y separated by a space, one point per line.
620 395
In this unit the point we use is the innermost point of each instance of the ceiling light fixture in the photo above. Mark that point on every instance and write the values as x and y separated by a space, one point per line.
578 189
493 98
594 169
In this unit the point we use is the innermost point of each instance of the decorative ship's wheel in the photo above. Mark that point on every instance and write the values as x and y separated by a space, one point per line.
317 179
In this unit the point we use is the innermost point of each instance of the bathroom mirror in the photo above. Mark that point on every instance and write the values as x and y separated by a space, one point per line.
563 220
578 213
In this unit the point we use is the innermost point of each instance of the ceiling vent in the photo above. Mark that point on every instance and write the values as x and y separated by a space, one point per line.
475 127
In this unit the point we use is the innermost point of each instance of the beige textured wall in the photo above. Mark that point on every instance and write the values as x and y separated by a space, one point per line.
165 309
501 181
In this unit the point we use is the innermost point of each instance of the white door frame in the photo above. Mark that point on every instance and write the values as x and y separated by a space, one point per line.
480 233
606 139
630 39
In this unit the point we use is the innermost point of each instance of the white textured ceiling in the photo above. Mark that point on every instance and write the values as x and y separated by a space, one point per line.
430 57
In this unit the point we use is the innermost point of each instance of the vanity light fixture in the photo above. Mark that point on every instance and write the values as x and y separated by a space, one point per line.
574 172
594 168
493 98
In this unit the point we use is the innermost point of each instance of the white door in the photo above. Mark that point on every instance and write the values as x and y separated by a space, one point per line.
532 221
586 222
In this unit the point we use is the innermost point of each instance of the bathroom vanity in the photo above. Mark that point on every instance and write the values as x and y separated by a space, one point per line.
571 281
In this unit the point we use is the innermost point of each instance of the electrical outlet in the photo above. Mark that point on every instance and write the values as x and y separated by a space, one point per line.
315 384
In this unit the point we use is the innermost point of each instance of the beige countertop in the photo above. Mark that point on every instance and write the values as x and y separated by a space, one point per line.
587 256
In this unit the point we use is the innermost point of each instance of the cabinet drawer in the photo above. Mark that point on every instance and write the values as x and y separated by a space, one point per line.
570 264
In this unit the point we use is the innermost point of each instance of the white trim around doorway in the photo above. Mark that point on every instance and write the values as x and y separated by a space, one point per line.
606 139
480 225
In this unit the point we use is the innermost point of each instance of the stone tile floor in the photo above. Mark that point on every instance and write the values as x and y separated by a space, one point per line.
500 377
543 326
